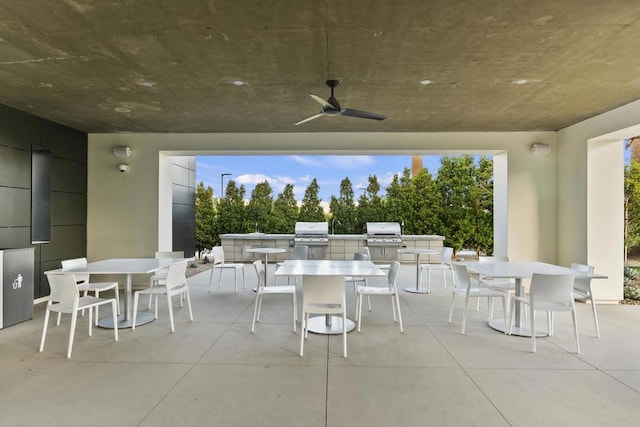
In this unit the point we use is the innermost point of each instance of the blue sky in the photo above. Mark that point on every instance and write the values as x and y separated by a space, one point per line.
300 170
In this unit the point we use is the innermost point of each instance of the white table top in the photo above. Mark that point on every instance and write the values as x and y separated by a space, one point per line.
418 251
123 266
521 270
294 267
267 250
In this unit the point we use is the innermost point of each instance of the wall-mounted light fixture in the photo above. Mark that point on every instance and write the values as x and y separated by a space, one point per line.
122 151
123 168
540 148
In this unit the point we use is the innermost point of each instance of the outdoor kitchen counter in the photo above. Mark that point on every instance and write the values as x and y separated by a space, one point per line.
341 246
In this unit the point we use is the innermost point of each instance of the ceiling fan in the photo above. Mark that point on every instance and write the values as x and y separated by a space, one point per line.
331 107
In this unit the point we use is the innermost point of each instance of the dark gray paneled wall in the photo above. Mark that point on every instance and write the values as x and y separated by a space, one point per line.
19 132
184 205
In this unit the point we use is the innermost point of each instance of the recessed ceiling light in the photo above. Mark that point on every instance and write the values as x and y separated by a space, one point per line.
521 81
425 82
146 84
239 83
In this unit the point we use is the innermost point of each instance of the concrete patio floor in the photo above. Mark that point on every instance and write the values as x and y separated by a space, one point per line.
215 372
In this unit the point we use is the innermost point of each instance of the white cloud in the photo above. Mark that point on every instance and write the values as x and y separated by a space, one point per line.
350 162
253 179
307 160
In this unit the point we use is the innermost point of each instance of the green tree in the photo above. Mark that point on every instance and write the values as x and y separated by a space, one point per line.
370 205
205 218
483 197
343 209
399 201
285 212
231 209
426 212
258 211
311 209
631 207
455 183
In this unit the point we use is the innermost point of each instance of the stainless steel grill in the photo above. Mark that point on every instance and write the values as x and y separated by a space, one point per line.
384 234
312 233
315 235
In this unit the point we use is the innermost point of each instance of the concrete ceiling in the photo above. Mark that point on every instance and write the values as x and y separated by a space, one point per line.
170 66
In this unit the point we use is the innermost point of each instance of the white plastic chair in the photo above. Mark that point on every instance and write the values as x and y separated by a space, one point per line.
383 267
174 284
357 280
389 290
65 298
582 289
217 253
323 295
506 285
446 260
262 290
469 288
159 276
300 252
549 293
85 285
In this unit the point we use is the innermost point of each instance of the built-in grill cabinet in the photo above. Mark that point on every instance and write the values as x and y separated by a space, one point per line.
384 239
315 235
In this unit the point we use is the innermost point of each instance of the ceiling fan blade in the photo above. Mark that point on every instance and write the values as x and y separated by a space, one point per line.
362 114
309 119
322 102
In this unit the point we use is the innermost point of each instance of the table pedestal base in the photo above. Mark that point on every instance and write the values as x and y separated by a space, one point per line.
142 318
414 290
328 325
521 331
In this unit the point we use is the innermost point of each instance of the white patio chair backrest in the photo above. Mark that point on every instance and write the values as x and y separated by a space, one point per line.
176 275
218 255
392 274
447 255
259 266
551 288
77 263
582 284
64 291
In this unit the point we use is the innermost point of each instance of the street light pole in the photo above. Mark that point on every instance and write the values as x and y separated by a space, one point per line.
222 175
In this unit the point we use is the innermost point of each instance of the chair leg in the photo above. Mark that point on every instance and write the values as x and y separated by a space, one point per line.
393 308
244 282
58 320
186 293
170 307
210 279
116 291
512 315
44 327
136 295
595 316
255 312
72 332
359 310
575 329
303 331
429 281
444 277
295 312
397 298
453 297
114 309
505 304
344 331
235 279
464 314
532 314
97 307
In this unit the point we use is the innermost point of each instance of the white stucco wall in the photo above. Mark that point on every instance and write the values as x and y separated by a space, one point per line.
125 218
590 194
